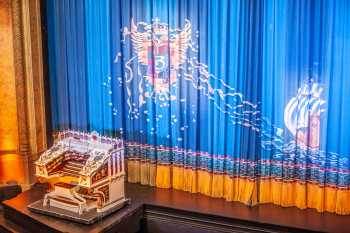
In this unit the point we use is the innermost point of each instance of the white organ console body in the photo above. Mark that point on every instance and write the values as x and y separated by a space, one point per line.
89 170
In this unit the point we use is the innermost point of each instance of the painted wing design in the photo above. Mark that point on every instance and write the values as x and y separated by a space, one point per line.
179 45
141 42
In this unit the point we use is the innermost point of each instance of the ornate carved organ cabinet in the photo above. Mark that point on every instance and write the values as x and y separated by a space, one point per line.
87 172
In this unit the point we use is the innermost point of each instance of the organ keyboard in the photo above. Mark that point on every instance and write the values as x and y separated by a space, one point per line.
87 172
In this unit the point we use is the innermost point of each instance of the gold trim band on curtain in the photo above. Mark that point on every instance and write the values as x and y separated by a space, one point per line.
305 195
286 194
194 181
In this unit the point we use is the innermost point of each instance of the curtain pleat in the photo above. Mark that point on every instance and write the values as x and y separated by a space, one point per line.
242 100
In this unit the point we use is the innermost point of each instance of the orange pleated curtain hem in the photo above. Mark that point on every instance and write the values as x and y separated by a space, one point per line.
194 181
286 194
305 195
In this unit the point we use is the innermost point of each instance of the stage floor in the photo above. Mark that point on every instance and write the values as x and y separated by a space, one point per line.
145 201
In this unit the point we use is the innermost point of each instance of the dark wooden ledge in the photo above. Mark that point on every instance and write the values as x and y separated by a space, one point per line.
165 210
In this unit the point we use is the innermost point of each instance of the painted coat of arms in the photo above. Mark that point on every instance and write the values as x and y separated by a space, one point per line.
159 51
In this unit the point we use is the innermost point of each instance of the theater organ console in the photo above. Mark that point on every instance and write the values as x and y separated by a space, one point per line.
87 172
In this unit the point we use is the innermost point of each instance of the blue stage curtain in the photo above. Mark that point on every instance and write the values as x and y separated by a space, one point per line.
245 100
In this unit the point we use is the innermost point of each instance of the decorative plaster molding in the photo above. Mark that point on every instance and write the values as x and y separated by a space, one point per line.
19 77
28 64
